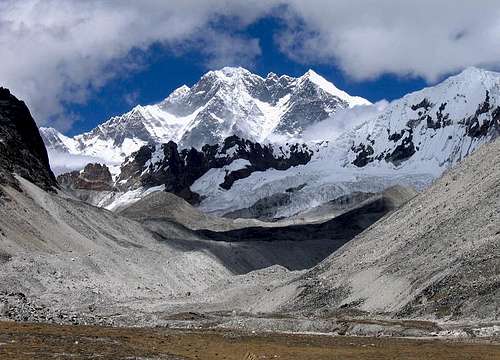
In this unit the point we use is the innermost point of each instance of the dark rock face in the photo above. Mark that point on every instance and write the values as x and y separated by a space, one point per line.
93 177
476 129
402 151
364 153
22 150
178 170
424 104
485 122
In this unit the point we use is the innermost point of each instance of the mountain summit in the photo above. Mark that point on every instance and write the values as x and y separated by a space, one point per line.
225 102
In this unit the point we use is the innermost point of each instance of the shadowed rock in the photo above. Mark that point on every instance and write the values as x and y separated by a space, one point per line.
22 150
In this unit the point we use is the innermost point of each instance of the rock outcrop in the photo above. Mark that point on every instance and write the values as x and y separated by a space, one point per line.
178 169
95 177
22 150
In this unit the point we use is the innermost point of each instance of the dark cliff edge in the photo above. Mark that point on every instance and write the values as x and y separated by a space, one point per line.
22 150
177 169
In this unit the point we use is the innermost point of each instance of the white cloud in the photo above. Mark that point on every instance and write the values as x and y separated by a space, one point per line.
342 120
54 52
63 162
226 50
131 97
367 38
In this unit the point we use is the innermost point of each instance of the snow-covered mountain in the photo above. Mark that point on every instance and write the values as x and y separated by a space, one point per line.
437 126
409 142
230 101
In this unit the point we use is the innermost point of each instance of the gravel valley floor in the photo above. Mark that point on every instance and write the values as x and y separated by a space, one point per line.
41 341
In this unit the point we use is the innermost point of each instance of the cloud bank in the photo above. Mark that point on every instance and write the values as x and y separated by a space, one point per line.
57 52
342 120
367 38
61 163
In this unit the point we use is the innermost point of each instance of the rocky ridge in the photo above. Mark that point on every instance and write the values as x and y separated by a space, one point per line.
22 150
175 170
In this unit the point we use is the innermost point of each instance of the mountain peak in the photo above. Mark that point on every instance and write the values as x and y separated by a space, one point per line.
225 102
311 73
473 70
229 71
272 75
327 86
182 89
473 73
178 93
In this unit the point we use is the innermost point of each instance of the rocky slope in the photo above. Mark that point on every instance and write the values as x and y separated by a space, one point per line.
230 101
22 150
436 257
65 261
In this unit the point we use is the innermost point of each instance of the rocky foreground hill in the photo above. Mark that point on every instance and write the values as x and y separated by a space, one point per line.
437 257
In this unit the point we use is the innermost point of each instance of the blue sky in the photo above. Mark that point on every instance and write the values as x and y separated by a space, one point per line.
161 72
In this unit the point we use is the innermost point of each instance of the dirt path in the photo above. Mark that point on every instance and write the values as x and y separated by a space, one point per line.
38 341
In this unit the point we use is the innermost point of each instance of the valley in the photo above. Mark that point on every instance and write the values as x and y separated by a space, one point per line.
262 244
249 180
